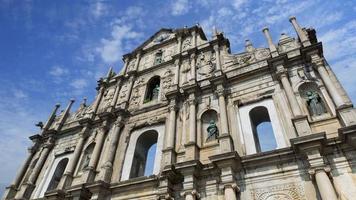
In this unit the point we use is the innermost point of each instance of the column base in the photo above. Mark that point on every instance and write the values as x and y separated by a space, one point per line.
226 144
191 151
88 175
348 135
302 126
347 115
79 192
55 195
99 190
169 156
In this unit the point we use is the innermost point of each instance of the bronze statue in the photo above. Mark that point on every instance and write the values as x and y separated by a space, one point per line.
314 103
213 131
155 92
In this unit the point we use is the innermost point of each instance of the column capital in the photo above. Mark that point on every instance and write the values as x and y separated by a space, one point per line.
191 100
220 91
193 193
282 73
233 186
49 143
216 47
119 121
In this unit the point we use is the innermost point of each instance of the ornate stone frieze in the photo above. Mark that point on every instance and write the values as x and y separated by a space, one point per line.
187 43
106 99
167 79
289 191
206 64
287 43
246 58
136 96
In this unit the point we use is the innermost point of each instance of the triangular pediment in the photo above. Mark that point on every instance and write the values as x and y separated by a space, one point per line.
159 37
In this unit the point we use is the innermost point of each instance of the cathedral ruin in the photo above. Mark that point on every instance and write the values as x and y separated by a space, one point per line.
187 119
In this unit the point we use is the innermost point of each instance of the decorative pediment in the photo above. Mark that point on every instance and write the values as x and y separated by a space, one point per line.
158 38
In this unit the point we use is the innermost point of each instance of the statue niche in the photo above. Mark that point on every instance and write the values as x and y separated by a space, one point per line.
314 102
209 127
153 89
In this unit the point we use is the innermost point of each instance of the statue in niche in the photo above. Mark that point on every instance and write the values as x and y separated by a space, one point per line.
86 161
155 92
212 130
314 103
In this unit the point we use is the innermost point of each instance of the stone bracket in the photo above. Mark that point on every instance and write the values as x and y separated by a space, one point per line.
348 135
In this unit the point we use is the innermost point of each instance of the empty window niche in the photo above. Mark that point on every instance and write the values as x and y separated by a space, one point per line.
153 89
209 127
144 156
262 129
58 173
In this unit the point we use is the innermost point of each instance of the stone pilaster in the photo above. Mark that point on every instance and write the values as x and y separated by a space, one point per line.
67 177
190 172
271 46
192 67
299 120
191 147
12 189
312 147
28 187
346 112
107 167
90 171
169 150
225 139
228 165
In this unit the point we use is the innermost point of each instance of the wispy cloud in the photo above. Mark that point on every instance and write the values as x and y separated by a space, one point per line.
180 7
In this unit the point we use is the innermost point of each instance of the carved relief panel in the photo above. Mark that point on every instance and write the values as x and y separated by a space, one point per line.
106 99
187 43
244 59
205 64
136 93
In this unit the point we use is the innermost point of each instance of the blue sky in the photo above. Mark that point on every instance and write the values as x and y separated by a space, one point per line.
51 51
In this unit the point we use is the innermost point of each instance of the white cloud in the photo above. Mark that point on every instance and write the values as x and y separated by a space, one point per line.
112 49
58 71
19 94
180 7
79 84
98 9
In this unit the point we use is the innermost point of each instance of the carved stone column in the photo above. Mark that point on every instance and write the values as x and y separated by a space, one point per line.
271 46
217 55
138 58
191 146
110 155
179 45
67 177
126 63
224 136
301 34
300 121
90 172
27 188
319 64
11 190
192 67
169 152
230 191
325 187
290 94
176 75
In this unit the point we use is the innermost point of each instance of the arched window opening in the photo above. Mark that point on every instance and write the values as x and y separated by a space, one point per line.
57 175
86 156
144 156
262 129
210 129
153 88
313 100
158 57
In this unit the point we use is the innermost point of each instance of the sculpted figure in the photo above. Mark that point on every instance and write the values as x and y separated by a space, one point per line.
213 131
314 103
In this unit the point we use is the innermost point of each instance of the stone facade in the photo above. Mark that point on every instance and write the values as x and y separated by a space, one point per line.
201 107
